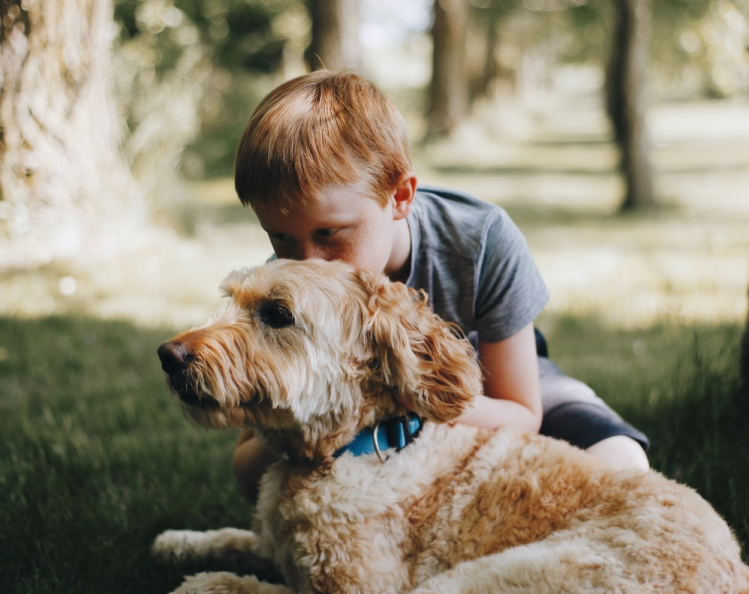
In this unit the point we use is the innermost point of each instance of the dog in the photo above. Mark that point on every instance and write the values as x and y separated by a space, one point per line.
356 384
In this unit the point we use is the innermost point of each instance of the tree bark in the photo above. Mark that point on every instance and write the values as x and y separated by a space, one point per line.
482 87
448 94
627 101
744 363
335 35
63 179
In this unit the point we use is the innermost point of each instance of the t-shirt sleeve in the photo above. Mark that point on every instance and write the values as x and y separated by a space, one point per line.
510 292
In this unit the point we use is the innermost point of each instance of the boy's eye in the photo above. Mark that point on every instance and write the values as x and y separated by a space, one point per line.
326 232
280 237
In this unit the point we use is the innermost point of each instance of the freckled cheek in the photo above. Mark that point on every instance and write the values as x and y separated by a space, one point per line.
346 253
366 252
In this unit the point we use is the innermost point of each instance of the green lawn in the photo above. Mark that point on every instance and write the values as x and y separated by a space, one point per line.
96 458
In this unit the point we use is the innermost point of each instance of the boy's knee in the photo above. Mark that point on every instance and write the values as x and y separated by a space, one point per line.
621 451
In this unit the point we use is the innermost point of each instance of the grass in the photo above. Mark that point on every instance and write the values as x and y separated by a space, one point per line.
96 458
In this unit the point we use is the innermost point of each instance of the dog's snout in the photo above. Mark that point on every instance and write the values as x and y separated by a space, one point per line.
174 357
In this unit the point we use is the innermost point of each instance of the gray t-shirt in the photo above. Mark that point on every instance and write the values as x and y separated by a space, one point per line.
474 263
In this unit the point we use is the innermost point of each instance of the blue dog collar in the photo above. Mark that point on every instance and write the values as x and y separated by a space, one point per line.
395 433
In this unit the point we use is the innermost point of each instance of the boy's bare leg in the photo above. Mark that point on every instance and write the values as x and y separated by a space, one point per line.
251 459
621 451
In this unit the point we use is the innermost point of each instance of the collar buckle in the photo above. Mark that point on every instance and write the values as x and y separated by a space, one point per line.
375 443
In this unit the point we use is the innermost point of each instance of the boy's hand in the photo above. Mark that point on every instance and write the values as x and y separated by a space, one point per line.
511 384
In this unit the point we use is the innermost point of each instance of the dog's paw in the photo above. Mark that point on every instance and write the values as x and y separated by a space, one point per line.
226 543
178 544
211 583
228 583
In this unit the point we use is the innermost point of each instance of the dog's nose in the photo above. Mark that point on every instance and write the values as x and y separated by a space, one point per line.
174 357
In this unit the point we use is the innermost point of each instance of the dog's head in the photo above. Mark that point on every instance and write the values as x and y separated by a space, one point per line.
308 353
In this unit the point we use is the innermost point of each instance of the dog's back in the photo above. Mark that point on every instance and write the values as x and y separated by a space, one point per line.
506 507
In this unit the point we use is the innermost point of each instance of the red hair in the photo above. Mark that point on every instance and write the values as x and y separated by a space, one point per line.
317 130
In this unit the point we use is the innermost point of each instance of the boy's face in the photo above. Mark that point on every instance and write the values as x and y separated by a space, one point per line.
341 224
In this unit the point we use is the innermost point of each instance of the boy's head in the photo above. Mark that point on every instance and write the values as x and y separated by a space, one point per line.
320 130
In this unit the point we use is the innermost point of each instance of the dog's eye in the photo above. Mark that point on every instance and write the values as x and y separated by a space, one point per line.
276 314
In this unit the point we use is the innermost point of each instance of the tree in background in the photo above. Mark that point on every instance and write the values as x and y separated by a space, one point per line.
627 101
63 178
335 35
481 86
448 91
188 74
698 49
485 21
744 363
247 35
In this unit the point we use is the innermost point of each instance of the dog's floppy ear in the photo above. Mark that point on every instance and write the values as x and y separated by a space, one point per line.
433 371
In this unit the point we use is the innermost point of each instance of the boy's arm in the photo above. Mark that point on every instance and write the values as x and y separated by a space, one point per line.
511 385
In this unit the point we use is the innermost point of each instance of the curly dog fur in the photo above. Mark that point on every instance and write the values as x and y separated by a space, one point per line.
310 353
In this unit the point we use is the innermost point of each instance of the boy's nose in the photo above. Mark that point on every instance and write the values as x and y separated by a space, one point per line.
305 251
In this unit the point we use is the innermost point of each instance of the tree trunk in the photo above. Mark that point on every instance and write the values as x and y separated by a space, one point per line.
335 35
744 364
482 87
448 93
63 180
626 99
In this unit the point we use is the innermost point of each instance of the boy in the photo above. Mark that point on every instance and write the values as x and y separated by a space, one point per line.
324 163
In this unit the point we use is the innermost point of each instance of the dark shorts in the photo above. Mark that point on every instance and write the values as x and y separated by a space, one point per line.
574 413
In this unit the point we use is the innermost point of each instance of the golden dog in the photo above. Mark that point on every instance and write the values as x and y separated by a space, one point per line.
317 356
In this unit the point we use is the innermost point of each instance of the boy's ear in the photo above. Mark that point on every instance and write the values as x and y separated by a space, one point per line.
403 196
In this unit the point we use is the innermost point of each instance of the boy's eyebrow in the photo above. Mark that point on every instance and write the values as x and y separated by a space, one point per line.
343 221
266 227
337 219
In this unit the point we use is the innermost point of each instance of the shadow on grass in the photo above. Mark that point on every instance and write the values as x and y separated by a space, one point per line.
529 215
563 169
510 170
97 459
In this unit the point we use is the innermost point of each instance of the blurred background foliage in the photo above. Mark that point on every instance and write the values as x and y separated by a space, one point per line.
189 72
699 47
